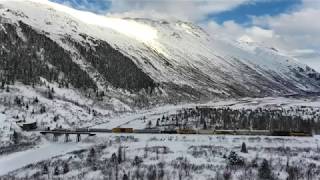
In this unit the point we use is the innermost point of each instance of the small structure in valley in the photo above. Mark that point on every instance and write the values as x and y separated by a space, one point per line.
28 126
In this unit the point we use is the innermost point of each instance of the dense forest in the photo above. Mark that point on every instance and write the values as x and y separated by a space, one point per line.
291 119
37 56
27 55
116 68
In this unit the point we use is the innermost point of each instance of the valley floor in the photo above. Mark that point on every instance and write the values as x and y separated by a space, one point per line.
164 156
167 157
140 119
41 152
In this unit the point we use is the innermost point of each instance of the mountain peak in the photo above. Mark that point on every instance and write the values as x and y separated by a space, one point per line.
170 55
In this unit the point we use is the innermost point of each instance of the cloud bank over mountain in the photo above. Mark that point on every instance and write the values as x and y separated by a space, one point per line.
293 32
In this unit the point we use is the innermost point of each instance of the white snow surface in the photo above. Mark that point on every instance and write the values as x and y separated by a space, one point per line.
140 118
178 146
41 152
131 29
5 129
151 45
168 51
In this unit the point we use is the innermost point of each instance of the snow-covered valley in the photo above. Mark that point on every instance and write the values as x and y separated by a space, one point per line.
168 157
165 156
142 61
63 69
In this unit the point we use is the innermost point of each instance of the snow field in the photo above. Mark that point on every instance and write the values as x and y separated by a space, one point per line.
204 151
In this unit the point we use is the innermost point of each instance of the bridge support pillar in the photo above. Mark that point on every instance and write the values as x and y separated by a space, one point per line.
78 137
66 138
55 137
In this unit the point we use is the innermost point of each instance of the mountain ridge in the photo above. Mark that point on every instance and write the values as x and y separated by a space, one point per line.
135 59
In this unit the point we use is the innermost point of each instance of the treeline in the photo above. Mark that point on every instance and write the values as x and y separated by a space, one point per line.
28 55
115 68
292 119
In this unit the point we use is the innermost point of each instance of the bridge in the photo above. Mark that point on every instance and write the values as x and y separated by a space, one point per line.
67 133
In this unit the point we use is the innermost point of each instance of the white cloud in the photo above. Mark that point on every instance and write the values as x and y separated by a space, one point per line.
232 30
314 4
296 33
259 32
299 32
190 10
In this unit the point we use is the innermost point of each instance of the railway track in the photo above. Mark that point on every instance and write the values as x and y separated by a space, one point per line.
173 131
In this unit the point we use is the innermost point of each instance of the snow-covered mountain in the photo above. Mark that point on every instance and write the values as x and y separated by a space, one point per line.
137 61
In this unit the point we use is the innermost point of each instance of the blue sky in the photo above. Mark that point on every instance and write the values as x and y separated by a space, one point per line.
97 6
241 14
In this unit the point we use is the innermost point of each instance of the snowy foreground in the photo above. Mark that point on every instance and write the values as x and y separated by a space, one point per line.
165 156
151 156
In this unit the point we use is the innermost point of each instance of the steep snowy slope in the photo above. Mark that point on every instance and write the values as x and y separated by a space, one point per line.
132 58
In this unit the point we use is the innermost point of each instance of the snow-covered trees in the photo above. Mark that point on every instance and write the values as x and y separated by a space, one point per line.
149 125
15 137
91 156
65 168
244 148
151 173
120 158
118 69
137 161
56 171
235 160
125 177
45 169
292 119
207 161
264 171
32 56
114 160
